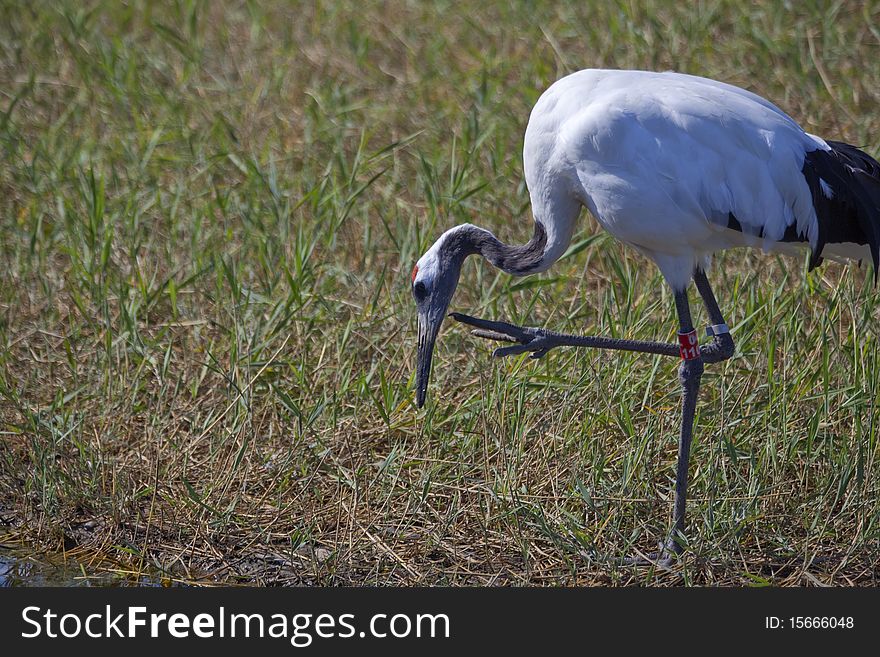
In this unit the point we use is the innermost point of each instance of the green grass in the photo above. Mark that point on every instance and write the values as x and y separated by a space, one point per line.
208 217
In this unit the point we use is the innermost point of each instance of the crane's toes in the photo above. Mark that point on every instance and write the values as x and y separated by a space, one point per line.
670 551
492 330
661 559
501 352
493 335
536 340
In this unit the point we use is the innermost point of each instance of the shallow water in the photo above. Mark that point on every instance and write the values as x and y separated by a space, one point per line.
18 568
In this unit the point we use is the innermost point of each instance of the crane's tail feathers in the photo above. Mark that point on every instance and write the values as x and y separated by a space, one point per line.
845 185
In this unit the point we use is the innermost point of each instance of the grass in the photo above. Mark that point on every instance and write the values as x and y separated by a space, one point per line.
208 217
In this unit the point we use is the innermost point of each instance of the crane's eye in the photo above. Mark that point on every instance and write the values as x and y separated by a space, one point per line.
420 291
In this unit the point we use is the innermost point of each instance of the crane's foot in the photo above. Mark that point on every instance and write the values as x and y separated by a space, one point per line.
536 340
665 557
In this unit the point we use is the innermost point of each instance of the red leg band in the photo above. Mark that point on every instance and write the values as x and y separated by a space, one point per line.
688 345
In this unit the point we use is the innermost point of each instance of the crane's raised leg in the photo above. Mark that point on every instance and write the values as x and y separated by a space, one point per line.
540 341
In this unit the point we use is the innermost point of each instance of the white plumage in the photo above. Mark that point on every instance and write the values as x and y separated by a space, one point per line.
662 160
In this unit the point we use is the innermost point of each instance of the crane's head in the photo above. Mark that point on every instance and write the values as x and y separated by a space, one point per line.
434 279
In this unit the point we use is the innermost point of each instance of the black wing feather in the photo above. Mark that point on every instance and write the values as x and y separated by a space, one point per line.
852 214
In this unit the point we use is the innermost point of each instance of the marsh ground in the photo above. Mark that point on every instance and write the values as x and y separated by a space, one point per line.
208 217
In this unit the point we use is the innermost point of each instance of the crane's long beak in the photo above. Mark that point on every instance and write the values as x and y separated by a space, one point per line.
429 326
431 311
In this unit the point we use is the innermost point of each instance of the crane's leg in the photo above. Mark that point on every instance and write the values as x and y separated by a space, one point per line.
689 374
540 341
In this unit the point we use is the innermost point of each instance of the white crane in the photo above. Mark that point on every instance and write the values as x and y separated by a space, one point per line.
678 167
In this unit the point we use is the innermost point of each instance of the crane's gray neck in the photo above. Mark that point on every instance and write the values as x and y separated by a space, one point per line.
518 260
